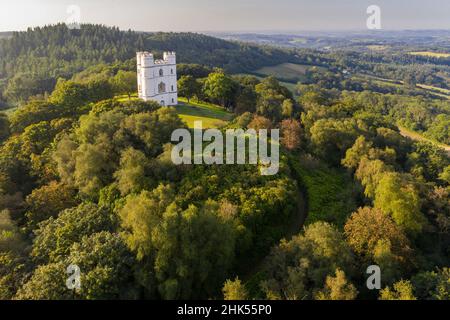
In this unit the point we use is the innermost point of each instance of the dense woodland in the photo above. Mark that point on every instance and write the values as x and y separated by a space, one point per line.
86 178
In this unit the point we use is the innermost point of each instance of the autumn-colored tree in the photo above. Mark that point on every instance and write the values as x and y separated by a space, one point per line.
337 288
234 290
260 122
48 201
291 132
402 290
367 226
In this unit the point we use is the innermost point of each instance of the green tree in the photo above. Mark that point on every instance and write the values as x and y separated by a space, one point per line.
48 282
55 236
195 250
188 87
400 199
432 285
125 82
220 88
106 267
141 214
298 268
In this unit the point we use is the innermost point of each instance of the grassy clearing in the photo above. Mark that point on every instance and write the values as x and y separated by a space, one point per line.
288 72
330 192
377 47
211 115
435 91
418 137
430 54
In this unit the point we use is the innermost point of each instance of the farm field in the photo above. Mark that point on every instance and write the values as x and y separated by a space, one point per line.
436 91
288 72
430 54
418 137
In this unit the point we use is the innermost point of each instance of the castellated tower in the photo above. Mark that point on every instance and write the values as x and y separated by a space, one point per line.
157 79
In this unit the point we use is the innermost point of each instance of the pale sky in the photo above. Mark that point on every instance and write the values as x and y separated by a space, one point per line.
228 15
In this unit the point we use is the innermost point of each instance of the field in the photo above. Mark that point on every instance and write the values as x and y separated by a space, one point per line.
435 91
430 54
212 116
288 72
418 137
377 47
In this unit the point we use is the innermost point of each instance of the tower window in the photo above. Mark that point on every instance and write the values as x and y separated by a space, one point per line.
172 89
161 72
171 71
162 87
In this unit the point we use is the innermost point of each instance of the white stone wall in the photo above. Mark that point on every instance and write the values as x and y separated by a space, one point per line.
155 75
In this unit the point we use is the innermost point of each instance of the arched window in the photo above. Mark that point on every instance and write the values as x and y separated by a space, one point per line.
161 72
162 87
171 71
172 89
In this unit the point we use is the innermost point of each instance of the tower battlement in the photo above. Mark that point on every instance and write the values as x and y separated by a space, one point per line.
157 79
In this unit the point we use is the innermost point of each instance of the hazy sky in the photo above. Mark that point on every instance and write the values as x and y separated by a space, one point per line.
228 15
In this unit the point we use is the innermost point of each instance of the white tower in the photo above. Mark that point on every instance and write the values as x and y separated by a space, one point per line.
157 79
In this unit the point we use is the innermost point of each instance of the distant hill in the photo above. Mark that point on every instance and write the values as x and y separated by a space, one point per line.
58 51
5 35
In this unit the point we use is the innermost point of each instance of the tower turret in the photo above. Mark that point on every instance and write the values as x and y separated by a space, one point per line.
170 57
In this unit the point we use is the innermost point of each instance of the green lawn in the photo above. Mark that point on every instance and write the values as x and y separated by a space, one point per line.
211 115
